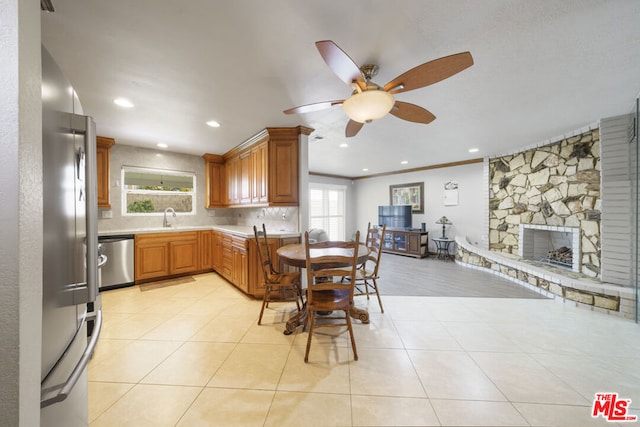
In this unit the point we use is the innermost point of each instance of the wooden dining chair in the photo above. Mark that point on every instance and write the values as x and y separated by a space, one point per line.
367 272
327 264
286 284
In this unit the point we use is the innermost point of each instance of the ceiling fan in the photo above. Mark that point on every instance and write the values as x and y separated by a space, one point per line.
369 101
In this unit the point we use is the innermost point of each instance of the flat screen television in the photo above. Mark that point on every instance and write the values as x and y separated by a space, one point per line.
395 216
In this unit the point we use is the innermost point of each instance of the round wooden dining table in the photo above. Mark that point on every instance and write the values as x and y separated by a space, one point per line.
295 256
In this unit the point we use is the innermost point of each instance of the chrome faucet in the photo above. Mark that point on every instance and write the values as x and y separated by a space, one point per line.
166 223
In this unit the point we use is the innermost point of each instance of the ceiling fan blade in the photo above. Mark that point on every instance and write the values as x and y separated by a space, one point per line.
353 128
430 72
412 113
340 63
313 107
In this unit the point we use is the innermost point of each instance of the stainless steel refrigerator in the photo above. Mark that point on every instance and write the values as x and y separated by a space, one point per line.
70 252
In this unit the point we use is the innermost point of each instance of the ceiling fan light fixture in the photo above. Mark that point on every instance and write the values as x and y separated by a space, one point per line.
368 105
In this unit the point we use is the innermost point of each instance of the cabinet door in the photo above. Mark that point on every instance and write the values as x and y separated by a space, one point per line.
205 239
240 270
184 256
260 174
216 238
400 241
227 258
231 172
256 277
216 183
387 242
103 154
152 259
413 243
283 171
244 177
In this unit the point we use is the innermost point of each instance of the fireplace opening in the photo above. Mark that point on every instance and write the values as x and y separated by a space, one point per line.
557 246
562 256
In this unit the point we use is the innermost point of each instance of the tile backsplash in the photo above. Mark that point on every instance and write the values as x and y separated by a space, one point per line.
275 218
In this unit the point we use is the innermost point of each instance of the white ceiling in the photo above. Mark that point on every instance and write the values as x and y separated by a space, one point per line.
542 69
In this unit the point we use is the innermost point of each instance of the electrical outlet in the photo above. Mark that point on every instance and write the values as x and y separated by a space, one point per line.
106 214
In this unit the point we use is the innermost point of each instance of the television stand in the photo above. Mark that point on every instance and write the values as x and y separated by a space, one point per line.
406 241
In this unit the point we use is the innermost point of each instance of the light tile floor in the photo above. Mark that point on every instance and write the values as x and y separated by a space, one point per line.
192 354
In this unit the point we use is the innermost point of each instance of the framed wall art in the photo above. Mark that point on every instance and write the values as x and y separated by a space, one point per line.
408 194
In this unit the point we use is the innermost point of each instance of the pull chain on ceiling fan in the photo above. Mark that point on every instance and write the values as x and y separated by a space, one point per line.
369 101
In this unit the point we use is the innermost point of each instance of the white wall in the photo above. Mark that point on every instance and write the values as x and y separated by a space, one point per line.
467 216
20 213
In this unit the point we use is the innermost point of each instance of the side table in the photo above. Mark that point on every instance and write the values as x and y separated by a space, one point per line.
442 247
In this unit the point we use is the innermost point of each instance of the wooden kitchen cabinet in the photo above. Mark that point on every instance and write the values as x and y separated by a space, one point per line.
239 261
262 171
159 255
240 265
205 246
243 183
184 255
256 279
260 174
103 163
216 250
216 181
151 257
227 257
232 172
283 167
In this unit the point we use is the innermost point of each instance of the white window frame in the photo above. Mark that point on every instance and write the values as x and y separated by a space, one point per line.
325 215
167 172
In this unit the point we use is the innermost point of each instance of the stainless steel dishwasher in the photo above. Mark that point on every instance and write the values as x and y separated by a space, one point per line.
119 269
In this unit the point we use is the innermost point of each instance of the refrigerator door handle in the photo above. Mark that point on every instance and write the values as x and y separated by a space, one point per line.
80 367
92 205
102 260
85 126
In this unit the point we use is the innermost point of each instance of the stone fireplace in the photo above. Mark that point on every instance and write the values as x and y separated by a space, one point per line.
558 246
552 188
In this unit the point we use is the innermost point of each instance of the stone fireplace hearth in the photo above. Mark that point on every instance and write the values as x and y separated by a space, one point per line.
558 246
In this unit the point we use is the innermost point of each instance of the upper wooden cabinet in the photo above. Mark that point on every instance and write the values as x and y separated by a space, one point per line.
262 171
103 154
216 180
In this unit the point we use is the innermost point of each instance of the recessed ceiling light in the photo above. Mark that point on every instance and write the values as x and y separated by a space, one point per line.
123 102
365 169
473 150
213 124
344 145
404 162
162 145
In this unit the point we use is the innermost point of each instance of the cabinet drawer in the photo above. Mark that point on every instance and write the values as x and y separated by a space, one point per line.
239 242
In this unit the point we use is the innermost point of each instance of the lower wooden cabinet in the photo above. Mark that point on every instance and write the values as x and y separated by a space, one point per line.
159 255
162 255
151 258
206 246
183 256
239 264
256 279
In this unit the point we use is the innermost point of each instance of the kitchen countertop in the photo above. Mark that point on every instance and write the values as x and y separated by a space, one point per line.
237 230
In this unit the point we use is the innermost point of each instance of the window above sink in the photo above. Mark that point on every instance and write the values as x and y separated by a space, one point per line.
149 192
